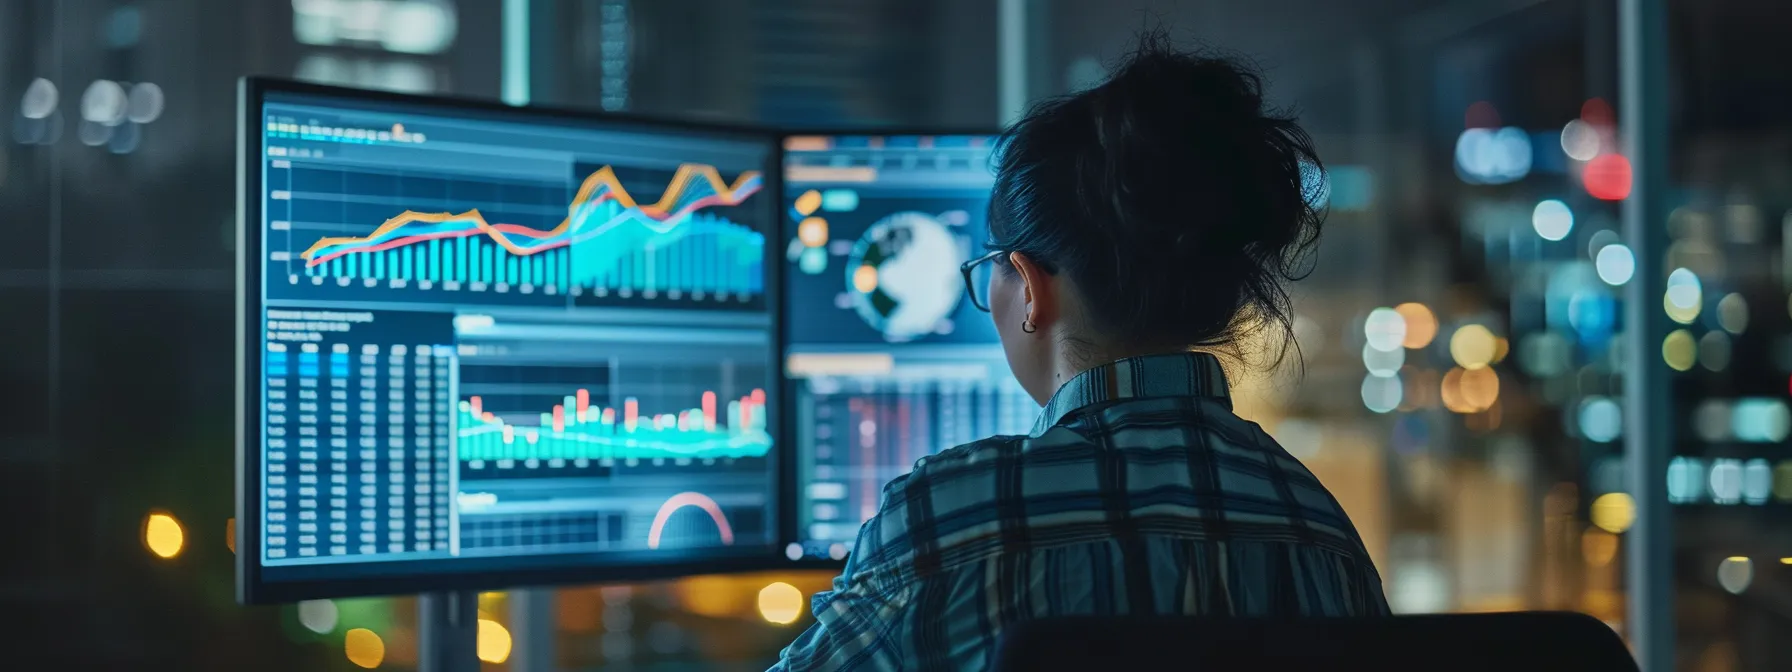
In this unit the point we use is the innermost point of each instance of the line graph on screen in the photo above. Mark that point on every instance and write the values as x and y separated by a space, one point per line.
608 242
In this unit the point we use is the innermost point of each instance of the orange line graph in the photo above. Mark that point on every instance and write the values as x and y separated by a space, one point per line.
590 189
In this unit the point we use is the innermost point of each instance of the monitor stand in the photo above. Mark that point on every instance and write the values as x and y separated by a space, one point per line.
448 627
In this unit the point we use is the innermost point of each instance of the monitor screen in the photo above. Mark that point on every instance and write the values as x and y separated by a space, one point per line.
488 346
888 359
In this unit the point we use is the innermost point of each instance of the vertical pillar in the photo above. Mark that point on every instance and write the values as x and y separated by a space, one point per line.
532 621
1013 26
515 70
1642 116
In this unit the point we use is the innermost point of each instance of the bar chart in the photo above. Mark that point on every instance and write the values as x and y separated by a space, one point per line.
576 429
695 265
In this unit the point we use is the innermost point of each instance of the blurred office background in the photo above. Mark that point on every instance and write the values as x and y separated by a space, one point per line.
1464 335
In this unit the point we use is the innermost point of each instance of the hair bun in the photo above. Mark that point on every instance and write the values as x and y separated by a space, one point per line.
1172 194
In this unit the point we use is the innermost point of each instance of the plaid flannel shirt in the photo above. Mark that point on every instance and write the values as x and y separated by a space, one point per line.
1137 492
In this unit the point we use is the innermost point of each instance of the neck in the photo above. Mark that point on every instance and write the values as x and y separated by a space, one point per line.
1073 356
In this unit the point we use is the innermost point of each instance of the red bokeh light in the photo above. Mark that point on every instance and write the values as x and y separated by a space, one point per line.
1607 177
1482 115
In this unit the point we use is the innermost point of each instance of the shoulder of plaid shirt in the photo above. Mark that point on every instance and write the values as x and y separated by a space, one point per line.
1137 492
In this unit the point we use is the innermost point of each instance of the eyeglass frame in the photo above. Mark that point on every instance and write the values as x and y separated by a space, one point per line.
978 300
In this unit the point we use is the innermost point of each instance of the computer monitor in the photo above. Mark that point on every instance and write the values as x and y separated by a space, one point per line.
888 359
485 346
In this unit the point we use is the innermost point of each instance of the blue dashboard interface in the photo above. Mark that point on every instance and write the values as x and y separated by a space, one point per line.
888 358
495 343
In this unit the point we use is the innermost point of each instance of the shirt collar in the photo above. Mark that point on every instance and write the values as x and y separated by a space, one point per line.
1183 374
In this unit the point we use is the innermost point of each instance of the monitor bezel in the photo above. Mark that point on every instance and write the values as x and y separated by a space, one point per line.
250 587
790 498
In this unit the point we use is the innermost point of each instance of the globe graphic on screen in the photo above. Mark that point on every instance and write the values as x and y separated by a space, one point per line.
902 275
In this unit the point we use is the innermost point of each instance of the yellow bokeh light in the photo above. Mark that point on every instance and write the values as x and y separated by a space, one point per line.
364 648
864 279
1613 512
494 641
1683 313
1786 561
714 596
230 535
780 603
1501 348
1421 324
1480 388
808 203
163 535
1598 547
491 601
813 231
1782 481
1473 346
1680 350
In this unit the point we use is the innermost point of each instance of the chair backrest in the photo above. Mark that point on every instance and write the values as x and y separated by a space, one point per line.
1522 641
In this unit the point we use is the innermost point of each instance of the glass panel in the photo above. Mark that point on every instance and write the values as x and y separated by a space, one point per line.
1457 336
28 452
1730 479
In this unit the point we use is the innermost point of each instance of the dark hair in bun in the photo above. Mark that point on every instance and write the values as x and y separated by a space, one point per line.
1176 202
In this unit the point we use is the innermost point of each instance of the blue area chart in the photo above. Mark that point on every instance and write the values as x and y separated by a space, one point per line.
608 245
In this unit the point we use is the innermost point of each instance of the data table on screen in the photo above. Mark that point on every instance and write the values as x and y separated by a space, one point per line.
860 432
358 437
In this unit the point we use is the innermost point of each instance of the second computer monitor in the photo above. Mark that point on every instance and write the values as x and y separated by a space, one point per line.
889 360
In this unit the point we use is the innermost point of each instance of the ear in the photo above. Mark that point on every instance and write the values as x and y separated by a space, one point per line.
1041 290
